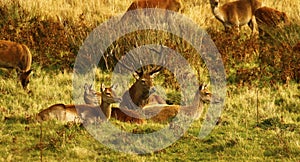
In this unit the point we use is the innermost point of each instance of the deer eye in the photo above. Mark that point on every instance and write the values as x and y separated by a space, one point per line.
143 82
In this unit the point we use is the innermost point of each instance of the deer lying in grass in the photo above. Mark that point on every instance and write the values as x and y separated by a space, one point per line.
163 114
89 113
91 96
16 56
126 115
236 14
270 20
140 93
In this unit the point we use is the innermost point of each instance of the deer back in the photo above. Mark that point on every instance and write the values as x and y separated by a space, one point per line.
174 5
16 56
60 112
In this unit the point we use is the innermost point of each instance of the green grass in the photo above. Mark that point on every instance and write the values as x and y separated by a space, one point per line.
260 120
239 136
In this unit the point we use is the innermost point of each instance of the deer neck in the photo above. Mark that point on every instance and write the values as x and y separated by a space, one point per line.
218 13
106 109
197 102
138 97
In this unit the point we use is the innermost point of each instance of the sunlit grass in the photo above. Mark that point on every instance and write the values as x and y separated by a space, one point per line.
237 137
260 122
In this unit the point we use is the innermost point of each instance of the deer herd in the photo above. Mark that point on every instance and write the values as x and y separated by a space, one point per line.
139 103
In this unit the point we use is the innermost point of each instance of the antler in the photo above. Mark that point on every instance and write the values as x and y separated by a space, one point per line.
143 69
158 68
120 62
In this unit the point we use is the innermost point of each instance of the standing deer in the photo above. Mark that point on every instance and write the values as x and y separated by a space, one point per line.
172 5
89 113
236 14
16 56
163 114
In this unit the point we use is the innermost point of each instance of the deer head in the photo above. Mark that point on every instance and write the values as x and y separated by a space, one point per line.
91 96
109 96
143 86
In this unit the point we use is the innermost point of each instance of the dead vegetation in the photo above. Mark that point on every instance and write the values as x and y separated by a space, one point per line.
55 43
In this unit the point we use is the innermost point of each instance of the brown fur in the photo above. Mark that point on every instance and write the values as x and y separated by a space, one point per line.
236 14
90 113
16 56
269 19
174 5
155 99
91 96
163 114
138 94
126 115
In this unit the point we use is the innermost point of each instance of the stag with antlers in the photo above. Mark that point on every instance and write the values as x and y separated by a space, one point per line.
141 92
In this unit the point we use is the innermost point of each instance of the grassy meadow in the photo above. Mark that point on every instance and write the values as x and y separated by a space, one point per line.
260 120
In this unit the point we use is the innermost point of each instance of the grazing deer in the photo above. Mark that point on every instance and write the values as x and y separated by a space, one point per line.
89 113
16 56
269 20
163 114
236 14
91 96
173 5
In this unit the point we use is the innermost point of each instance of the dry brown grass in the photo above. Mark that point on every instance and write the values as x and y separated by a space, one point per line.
54 31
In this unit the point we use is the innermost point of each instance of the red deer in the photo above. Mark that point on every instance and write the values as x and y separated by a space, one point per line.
16 56
270 20
163 114
172 5
140 92
91 96
236 14
89 113
126 115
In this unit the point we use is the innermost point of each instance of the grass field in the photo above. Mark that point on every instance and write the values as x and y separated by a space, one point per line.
260 120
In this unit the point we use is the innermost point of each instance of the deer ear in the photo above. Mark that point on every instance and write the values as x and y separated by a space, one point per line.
136 75
85 86
114 86
207 85
102 88
202 86
29 71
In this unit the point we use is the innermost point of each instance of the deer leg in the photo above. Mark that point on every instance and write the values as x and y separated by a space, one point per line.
234 21
253 25
236 29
